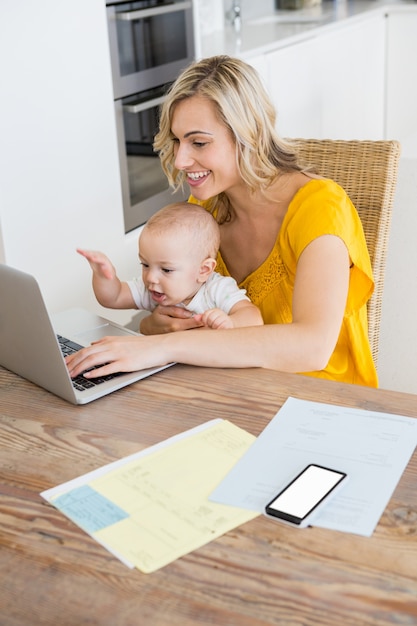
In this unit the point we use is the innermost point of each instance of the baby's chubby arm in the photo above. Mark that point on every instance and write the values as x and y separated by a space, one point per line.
243 313
109 290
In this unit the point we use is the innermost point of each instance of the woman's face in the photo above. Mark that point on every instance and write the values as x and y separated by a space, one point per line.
204 148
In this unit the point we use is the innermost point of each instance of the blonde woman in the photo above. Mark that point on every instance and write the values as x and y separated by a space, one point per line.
294 241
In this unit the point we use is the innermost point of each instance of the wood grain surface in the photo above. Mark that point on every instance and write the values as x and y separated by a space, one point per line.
262 573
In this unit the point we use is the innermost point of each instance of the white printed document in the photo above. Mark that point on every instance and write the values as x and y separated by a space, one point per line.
372 448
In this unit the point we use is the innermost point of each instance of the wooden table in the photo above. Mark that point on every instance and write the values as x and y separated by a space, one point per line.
52 573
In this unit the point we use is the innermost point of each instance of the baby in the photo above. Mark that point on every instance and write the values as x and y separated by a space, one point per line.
177 250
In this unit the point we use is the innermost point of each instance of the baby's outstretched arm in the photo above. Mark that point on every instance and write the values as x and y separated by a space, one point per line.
100 264
243 313
109 290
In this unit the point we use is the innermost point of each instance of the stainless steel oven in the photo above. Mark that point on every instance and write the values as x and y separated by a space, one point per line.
151 41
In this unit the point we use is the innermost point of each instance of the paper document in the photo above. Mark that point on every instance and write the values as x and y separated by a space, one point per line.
152 507
373 448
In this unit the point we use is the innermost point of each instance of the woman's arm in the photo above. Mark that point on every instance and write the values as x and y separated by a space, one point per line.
305 344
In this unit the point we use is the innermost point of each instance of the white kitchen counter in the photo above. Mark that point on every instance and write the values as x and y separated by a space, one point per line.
274 31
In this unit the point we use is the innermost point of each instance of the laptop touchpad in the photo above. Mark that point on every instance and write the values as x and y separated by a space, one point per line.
94 334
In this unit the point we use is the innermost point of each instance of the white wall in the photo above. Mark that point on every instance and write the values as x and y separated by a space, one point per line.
398 339
59 176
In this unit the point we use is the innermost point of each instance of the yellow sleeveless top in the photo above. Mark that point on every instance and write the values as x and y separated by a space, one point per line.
320 207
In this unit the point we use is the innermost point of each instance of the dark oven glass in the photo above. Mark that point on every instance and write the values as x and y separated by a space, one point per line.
151 41
145 186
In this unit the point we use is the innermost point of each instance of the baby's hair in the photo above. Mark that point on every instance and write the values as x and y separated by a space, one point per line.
192 220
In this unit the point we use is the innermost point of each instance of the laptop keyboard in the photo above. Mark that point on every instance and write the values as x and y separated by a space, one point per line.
80 382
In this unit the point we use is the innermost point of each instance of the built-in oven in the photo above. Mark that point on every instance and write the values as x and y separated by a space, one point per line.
151 41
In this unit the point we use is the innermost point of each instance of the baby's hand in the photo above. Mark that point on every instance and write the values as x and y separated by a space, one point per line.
100 264
215 318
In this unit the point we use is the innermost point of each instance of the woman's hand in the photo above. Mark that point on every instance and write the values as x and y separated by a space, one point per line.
116 354
168 319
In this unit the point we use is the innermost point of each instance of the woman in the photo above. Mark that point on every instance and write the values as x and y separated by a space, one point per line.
292 240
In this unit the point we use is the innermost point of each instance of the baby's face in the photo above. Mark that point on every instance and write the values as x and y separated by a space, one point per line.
170 267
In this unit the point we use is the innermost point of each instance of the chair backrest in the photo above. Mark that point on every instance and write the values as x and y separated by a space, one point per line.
367 170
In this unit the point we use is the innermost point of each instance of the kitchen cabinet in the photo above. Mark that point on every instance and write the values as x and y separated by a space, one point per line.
352 80
294 85
259 62
331 85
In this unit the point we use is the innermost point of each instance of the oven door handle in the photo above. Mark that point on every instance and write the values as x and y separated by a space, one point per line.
143 106
128 16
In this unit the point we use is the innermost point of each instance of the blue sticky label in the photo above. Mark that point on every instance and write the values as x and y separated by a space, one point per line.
89 509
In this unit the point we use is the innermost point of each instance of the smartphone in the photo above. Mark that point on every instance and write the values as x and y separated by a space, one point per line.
300 501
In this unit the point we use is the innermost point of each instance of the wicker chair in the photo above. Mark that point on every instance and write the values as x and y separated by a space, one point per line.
367 170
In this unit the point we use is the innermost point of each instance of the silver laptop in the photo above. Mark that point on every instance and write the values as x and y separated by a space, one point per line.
30 340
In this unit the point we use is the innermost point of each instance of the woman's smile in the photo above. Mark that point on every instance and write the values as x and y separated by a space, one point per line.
196 178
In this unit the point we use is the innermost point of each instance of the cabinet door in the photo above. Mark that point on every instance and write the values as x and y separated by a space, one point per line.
260 64
401 118
294 85
351 61
331 86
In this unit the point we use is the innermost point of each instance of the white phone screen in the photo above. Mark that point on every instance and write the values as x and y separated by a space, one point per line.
306 491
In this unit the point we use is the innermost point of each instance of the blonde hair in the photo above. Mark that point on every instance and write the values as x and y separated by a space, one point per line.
245 109
191 220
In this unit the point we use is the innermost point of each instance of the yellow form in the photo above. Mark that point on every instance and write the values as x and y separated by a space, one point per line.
154 507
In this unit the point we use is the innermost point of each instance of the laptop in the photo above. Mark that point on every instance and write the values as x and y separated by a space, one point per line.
30 340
